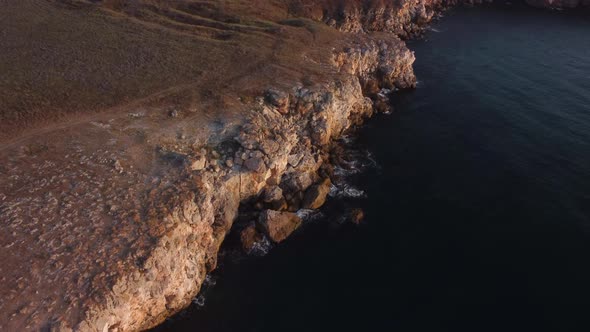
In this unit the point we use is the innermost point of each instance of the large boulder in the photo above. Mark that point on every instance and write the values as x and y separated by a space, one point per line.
278 225
249 237
316 195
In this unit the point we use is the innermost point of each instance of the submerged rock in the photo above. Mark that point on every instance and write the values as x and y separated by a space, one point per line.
356 216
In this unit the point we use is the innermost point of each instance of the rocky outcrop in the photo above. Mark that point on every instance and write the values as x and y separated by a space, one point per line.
279 153
405 18
316 195
278 157
153 246
279 225
123 217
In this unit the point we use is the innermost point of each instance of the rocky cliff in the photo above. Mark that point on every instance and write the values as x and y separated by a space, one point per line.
405 18
113 220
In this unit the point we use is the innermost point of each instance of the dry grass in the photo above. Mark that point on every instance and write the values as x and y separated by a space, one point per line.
64 60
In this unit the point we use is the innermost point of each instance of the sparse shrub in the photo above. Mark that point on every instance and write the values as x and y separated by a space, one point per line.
294 22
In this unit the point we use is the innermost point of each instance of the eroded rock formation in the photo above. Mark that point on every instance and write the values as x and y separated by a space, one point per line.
112 221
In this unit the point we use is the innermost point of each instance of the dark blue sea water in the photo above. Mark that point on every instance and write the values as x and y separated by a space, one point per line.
477 215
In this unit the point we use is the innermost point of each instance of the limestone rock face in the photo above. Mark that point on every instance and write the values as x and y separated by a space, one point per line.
371 62
403 18
255 164
102 233
122 246
316 195
273 197
279 225
273 194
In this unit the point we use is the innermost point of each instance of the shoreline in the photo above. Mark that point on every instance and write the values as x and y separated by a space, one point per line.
265 170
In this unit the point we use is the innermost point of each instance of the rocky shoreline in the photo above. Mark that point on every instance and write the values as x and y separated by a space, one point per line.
274 164
279 166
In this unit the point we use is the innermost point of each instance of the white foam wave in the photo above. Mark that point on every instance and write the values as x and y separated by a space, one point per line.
341 171
346 190
209 281
309 214
261 248
199 300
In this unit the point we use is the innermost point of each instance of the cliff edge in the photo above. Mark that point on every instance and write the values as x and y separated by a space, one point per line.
133 130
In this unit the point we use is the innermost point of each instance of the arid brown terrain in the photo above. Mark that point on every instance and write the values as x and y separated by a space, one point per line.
132 130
